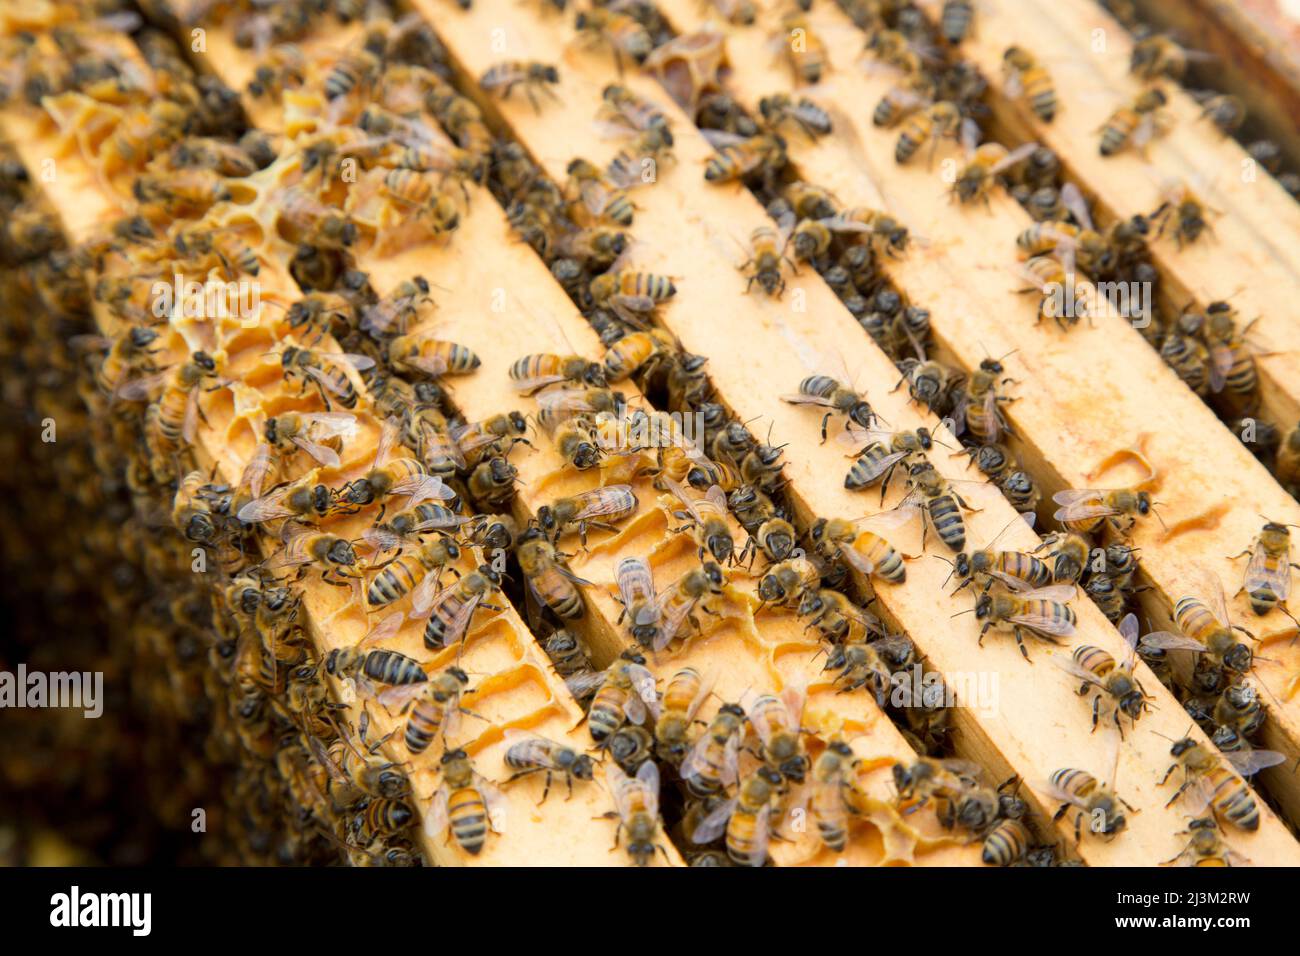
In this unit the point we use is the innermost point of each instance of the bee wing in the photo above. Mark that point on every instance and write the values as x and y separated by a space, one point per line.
190 428
442 522
1211 587
798 398
257 469
1145 131
382 539
323 454
266 508
904 513
719 138
859 561
706 687
139 389
647 776
383 630
584 683
1167 641
1060 593
1259 574
324 381
1013 86
1250 762
527 385
629 574
793 697
680 493
1219 365
1045 623
423 593
435 441
643 694
493 799
633 303
714 823
1068 665
1080 505
1128 629
437 819
596 506
761 834
396 697
1073 200
1063 795
672 614
423 488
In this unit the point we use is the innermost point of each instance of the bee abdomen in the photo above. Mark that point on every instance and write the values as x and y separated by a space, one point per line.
468 819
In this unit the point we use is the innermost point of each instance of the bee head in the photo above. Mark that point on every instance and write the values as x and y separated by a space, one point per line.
714 574
1132 703
983 607
451 755
583 767
1143 503
1181 747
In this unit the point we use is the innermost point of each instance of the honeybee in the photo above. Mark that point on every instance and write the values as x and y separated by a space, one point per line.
744 818
837 618
901 101
867 664
984 163
1090 797
1005 844
636 802
738 157
929 383
567 653
1182 212
176 413
1206 846
780 108
418 353
685 692
325 370
491 484
1287 467
304 498
636 350
622 692
1002 468
938 503
1069 555
391 477
776 721
1085 510
452 609
377 666
465 803
713 761
1135 124
636 164
531 75
490 437
308 431
1160 55
621 105
1225 111
392 314
1232 362
1268 574
333 556
128 351
627 293
636 593
679 600
1028 78
786 583
1105 677
1012 569
829 393
531 753
1184 352
352 71
418 572
804 50
437 709
927 126
1206 628
764 265
533 372
548 580
926 778
1220 790
623 34
708 519
882 455
281 67
306 221
866 551
578 513
1042 613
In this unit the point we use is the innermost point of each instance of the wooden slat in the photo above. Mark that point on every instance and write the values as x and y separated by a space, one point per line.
688 230
523 688
1253 252
1064 431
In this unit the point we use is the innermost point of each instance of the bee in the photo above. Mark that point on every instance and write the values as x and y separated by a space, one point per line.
776 721
627 292
708 519
1182 213
531 753
786 583
635 165
865 664
938 503
128 351
1005 844
579 512
306 221
884 453
376 666
636 594
176 413
418 572
984 164
420 354
531 75
636 802
1184 352
780 108
1015 570
621 105
592 193
1287 467
335 557
190 514
1069 555
1159 55
738 157
1084 511
767 254
309 431
452 609
636 350
829 393
865 551
1105 677
436 710
929 383
1221 789
465 803
1206 846
281 67
354 70
1042 613
548 580
567 653
325 370
1029 79
392 314
1001 468
1207 628
678 602
1232 364
956 20
1135 124
491 484
744 818
712 764
769 530
625 35
926 779
490 437
1090 797
390 477
804 50
837 618
927 126
685 692
901 101
1268 574
1225 111
300 499
1239 711
622 693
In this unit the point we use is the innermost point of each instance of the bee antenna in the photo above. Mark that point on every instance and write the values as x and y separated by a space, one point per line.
969 610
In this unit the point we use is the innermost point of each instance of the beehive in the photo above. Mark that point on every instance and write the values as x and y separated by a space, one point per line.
389 160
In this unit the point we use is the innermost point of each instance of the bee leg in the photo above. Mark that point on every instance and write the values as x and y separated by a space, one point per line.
546 789
1020 642
1096 707
1178 793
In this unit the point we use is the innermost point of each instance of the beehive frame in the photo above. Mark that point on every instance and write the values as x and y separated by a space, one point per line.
759 348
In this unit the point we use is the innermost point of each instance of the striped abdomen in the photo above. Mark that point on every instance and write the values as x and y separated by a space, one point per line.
1005 844
469 821
390 667
947 521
